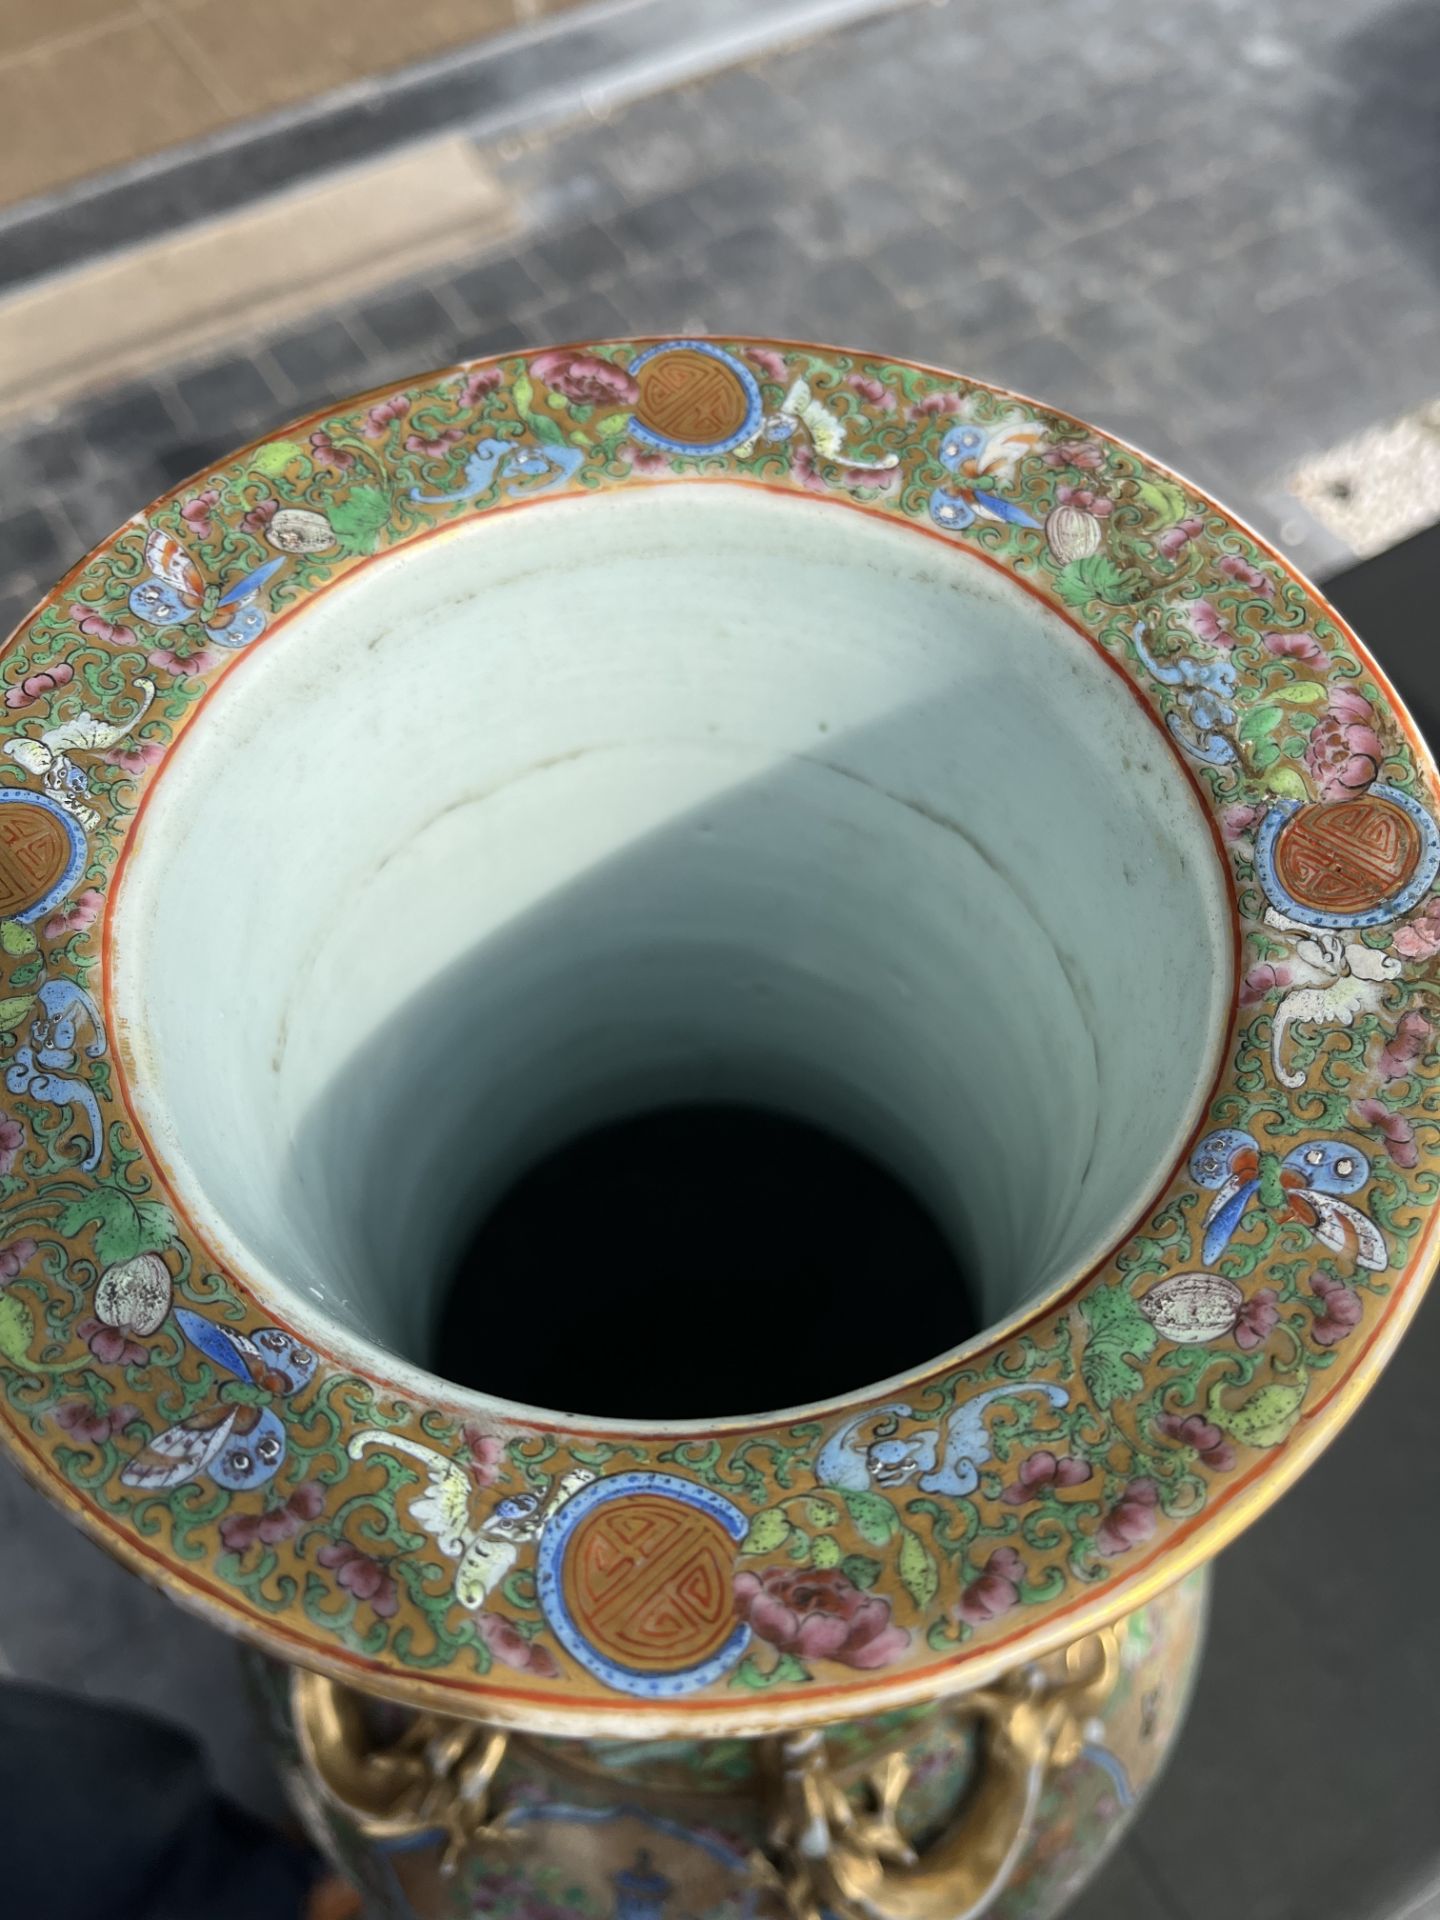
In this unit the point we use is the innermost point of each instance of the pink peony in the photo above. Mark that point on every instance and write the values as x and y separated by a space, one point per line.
434 446
241 1531
995 1590
817 1613
12 1139
86 1422
95 626
1193 1430
1045 1472
1339 1310
363 1575
485 1454
509 1645
1131 1521
875 392
1248 576
1411 1040
1100 504
585 378
327 454
770 363
1206 624
1398 1132
1088 455
36 685
1261 981
1257 1319
376 423
479 382
202 660
1238 819
14 1255
111 1346
76 919
196 513
1175 539
1343 753
642 459
1295 646
135 755
1419 939
257 518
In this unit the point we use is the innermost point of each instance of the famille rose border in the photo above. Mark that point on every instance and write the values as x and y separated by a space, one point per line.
807 1566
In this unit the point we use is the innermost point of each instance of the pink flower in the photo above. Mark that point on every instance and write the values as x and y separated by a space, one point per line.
817 1613
878 479
508 1644
1045 1472
76 919
196 513
478 383
438 445
486 1454
770 363
1175 539
363 1575
1088 455
585 378
14 1255
96 627
202 660
1131 1520
644 459
1261 981
1237 569
1206 624
873 391
1398 1132
1340 1310
1298 646
136 755
241 1531
257 518
376 425
1192 1430
1412 1037
35 685
12 1139
1100 504
805 468
939 406
112 1346
86 1422
1237 820
995 1590
327 454
1257 1319
1343 754
1420 939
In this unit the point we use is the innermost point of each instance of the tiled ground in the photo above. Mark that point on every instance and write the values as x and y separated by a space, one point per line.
1212 227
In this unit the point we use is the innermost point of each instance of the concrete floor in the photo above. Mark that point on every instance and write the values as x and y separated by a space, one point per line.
1210 227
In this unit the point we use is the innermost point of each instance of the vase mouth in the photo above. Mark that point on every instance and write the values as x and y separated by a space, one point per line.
883 862
1111 1429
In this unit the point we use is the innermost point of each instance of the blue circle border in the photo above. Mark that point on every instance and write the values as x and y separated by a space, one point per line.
74 866
698 449
1414 890
550 1559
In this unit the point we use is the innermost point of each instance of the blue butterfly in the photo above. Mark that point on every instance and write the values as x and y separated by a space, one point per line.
1305 1185
238 1446
983 453
174 591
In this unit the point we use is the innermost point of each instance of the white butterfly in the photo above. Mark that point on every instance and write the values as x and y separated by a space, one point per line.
49 756
826 430
488 1549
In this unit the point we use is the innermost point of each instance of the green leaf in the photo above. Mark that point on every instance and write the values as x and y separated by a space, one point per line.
1098 578
1308 693
1265 756
825 1552
1285 780
16 938
612 424
31 971
768 1532
875 1519
359 517
276 455
1119 1335
523 392
860 1570
17 1329
125 1227
822 1513
546 429
1164 498
13 1011
919 1575
787 1670
1260 721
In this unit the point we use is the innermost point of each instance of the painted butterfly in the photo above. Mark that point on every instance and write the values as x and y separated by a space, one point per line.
975 454
1305 1185
240 1446
175 591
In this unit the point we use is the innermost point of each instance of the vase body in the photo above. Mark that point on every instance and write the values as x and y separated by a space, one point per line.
654 1829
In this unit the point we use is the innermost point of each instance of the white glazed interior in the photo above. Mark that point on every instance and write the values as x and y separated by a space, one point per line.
675 794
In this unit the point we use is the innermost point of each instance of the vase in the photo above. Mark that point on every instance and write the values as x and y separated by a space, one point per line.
606 731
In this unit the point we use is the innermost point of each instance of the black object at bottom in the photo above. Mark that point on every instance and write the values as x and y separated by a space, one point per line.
695 1262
